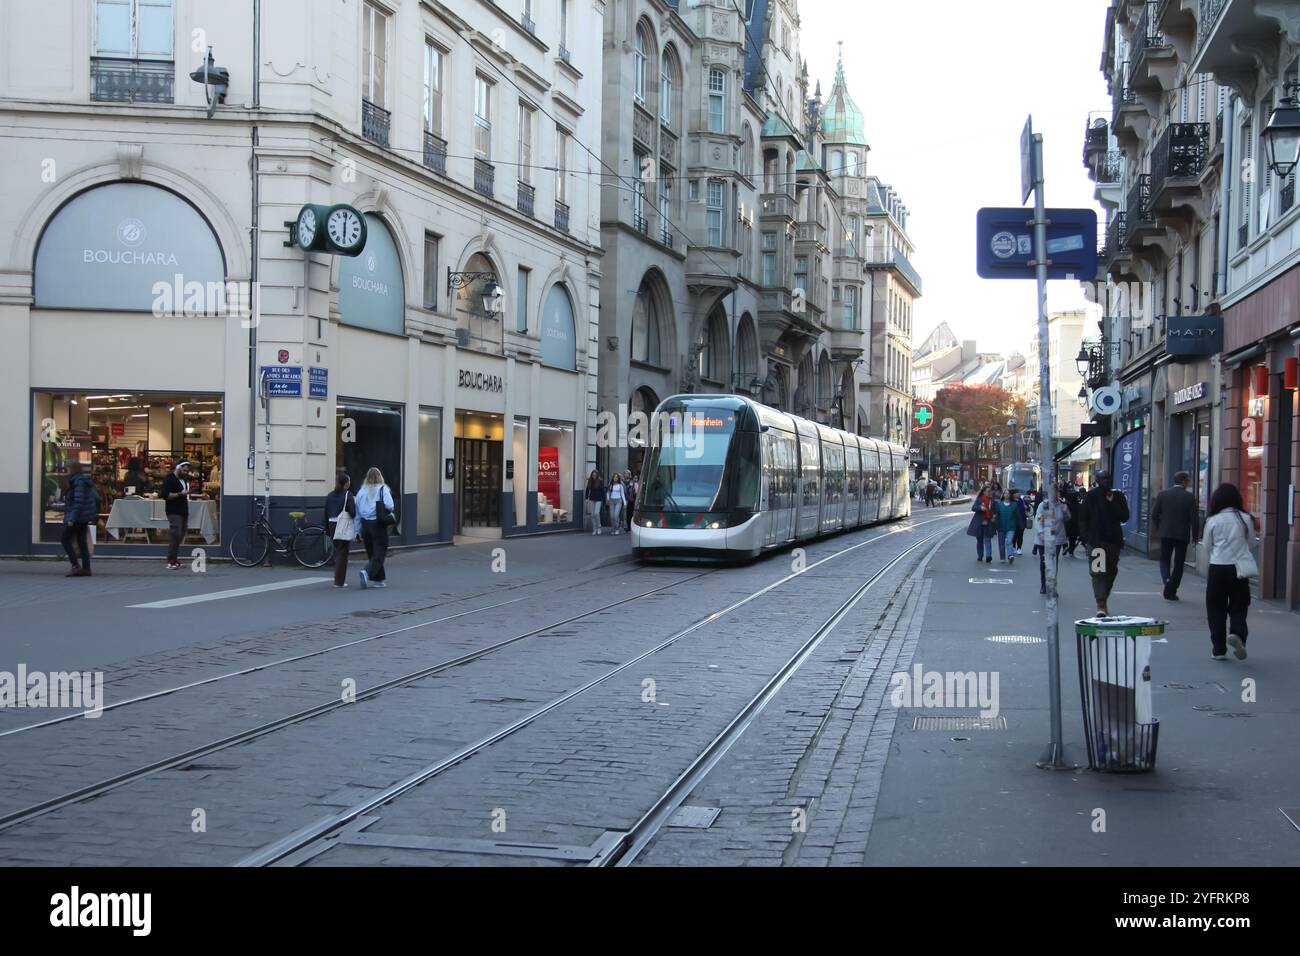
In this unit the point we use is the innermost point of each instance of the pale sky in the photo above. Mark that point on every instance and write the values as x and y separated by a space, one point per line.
945 86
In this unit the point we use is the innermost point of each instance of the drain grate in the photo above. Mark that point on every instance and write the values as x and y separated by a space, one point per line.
991 581
1015 639
959 723
697 818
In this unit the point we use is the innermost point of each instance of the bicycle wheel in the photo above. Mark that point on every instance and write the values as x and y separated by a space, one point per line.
249 546
312 547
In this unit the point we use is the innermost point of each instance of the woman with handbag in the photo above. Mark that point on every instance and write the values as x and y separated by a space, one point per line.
1228 540
375 509
341 520
983 524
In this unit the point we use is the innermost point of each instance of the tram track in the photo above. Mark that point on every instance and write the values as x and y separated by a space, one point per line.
310 840
116 782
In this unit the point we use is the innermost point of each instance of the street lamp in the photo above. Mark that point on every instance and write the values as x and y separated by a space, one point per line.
1282 135
1013 424
1083 360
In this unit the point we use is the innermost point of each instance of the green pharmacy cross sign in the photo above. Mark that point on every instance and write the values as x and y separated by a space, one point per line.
923 417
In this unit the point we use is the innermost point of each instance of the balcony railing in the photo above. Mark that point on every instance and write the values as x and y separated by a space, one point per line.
565 55
1179 154
375 121
1138 209
641 223
527 22
524 198
484 177
1286 198
435 152
1096 138
1115 236
1126 96
561 216
666 235
114 80
1148 36
1209 18
896 259
1109 169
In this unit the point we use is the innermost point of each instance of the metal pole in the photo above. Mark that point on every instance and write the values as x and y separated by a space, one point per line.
1054 757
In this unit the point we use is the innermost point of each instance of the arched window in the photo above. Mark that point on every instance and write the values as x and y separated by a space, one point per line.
645 327
746 352
717 101
559 338
804 394
639 58
778 389
109 246
370 284
667 86
825 385
714 357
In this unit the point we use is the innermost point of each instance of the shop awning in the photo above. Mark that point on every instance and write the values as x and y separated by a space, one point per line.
1070 449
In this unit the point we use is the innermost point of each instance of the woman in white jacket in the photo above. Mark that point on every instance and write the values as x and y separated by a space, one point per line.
617 498
1049 531
1228 540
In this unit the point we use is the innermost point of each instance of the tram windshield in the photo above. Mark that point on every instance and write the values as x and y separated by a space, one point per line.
692 463
1022 477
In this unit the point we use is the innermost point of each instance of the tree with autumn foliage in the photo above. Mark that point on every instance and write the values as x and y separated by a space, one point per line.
974 411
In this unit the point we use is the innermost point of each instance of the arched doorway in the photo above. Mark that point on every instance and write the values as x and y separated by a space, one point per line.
644 402
746 355
715 357
804 394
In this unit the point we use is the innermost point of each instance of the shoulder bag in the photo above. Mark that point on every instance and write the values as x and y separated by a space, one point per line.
383 514
345 526
1246 567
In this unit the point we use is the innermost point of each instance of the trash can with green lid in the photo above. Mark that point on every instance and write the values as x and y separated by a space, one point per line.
1115 686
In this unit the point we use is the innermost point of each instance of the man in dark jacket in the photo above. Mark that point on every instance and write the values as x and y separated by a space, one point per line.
176 492
80 511
1174 517
1101 524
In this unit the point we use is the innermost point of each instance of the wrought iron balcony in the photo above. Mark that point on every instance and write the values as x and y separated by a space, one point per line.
1179 154
641 223
1116 232
435 152
1148 36
1209 18
561 216
1108 170
115 80
484 177
524 199
666 235
375 121
1138 209
565 55
1096 139
527 22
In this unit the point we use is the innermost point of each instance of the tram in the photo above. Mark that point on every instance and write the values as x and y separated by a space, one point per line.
727 478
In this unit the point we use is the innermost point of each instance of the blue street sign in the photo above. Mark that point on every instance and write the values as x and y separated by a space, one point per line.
283 381
318 382
1005 243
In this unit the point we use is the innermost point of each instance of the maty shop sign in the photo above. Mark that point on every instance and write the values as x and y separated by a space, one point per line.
481 381
1191 393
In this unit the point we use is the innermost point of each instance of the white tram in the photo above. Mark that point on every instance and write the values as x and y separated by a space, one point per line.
727 478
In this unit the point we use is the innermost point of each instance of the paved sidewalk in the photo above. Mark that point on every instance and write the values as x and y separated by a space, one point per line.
1226 768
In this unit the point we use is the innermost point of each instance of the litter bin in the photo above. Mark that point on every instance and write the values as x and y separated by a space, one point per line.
1115 686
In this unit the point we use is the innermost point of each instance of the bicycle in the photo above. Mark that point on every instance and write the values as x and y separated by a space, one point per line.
310 545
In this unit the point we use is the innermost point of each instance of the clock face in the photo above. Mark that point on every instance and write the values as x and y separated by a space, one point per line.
307 226
344 227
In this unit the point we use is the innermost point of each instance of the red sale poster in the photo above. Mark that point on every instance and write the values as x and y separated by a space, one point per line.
548 474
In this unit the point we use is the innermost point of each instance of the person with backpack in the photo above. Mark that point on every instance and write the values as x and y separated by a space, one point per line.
80 511
375 509
595 498
341 521
1101 523
1229 542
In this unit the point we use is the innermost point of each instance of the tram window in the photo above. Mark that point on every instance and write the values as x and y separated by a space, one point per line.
811 488
744 471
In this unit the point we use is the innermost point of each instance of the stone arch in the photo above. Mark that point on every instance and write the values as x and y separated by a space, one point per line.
715 356
653 305
746 351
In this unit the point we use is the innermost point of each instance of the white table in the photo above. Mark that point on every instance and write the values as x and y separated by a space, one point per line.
150 513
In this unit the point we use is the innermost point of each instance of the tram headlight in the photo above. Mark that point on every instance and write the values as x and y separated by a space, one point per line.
716 525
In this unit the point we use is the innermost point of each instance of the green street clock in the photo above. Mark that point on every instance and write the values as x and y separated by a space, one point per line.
338 230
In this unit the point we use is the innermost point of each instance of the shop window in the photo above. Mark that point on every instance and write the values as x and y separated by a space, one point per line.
1252 445
554 471
521 463
428 472
369 435
128 443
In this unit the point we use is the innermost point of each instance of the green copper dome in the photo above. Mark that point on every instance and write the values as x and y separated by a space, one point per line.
842 121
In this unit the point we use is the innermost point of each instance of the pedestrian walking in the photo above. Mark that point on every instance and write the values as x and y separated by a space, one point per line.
1051 521
1174 517
595 498
1101 523
1010 519
176 494
1022 521
1229 542
1071 499
341 520
375 508
80 511
631 489
983 524
616 496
